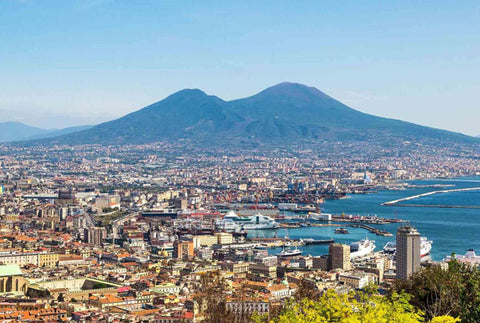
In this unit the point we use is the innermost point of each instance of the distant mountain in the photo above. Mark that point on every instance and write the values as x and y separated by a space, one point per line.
10 131
61 132
286 112
14 131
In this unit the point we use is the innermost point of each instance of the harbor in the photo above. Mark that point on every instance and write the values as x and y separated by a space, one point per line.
435 223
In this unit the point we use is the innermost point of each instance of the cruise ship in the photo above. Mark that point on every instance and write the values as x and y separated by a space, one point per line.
232 222
469 258
425 247
361 248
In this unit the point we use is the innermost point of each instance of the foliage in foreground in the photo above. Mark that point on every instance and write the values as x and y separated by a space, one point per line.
453 291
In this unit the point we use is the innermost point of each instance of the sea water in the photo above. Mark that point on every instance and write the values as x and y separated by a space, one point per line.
451 229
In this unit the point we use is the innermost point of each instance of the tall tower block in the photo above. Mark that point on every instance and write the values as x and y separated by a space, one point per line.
408 251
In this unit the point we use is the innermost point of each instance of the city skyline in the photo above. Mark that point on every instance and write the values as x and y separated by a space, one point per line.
93 61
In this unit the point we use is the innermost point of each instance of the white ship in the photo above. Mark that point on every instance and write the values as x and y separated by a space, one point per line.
320 216
232 222
390 247
361 248
425 247
469 258
285 253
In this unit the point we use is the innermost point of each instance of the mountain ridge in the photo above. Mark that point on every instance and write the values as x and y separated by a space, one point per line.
285 112
15 131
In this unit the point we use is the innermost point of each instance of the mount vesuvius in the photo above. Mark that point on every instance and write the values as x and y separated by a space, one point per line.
285 113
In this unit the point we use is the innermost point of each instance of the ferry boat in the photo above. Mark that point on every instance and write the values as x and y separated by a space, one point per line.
425 247
361 248
231 222
288 252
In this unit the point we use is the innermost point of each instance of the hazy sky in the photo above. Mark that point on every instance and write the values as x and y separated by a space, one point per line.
71 62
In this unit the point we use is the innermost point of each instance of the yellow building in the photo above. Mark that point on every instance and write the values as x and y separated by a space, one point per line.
49 260
204 241
224 238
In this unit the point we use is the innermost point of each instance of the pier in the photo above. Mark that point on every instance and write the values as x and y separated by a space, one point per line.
369 228
378 232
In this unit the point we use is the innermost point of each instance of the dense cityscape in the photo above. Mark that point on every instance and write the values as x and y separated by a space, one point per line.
144 233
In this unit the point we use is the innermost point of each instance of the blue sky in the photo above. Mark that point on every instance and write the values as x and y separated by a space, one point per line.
71 62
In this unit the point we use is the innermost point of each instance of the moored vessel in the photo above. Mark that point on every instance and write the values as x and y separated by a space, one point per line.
231 222
341 231
425 247
361 248
289 252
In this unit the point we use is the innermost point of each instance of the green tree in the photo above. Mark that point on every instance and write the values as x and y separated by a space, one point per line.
453 291
211 297
306 289
351 308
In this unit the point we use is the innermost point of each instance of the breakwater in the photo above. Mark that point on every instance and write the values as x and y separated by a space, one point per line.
440 206
413 197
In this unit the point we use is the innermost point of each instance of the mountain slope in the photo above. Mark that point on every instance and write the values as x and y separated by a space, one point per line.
282 113
187 113
10 131
292 109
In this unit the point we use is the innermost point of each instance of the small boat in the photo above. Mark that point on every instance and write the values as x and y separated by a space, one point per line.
390 247
261 247
341 231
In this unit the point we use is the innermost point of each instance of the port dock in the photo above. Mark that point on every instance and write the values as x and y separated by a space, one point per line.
371 229
367 227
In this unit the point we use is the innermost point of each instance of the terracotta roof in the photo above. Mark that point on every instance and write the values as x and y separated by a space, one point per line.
277 287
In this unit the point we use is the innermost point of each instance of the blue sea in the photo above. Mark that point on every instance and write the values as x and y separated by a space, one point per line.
450 229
